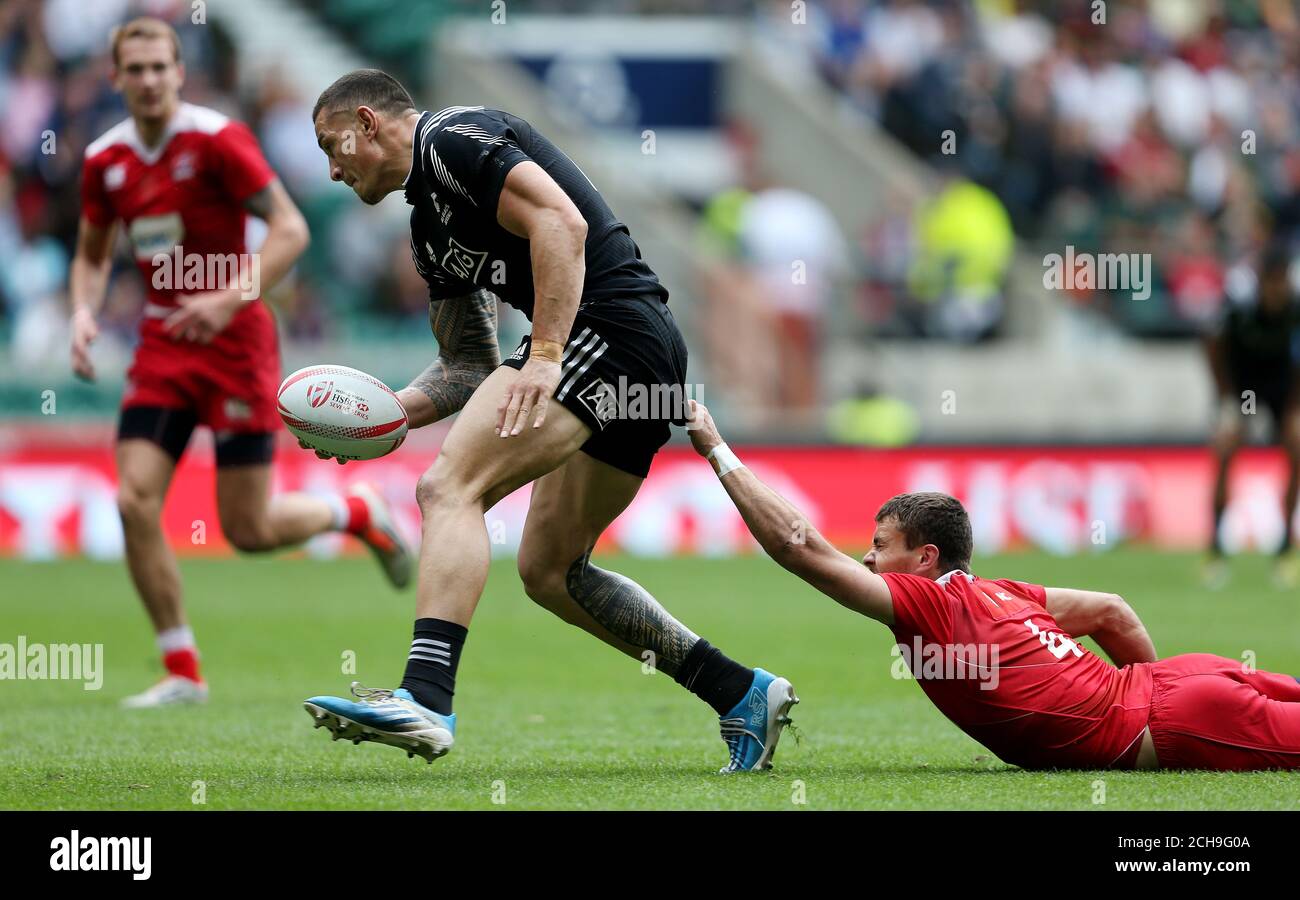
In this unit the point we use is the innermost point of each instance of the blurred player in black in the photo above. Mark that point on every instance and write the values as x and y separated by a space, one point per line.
1253 354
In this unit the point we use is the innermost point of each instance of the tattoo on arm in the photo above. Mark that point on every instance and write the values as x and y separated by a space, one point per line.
466 330
629 612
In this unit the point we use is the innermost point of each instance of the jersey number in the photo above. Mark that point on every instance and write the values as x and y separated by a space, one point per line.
1054 641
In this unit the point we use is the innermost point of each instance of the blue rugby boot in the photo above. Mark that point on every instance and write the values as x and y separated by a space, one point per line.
385 717
754 725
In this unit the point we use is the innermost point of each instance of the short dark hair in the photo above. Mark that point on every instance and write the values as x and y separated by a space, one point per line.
365 87
929 517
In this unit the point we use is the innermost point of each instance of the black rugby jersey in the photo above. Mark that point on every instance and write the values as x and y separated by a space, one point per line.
461 157
1261 340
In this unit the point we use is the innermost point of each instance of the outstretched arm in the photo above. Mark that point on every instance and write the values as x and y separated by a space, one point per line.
1107 619
466 330
785 533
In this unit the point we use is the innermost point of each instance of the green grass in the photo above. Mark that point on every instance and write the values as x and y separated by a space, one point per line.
560 720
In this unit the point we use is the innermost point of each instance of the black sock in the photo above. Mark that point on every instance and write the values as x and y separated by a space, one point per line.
431 665
709 674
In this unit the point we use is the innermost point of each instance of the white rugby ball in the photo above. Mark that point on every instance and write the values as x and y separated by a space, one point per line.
342 411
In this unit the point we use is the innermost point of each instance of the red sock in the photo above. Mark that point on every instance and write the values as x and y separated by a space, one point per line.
183 663
358 515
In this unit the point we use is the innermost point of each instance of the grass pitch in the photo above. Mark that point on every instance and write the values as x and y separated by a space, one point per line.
549 718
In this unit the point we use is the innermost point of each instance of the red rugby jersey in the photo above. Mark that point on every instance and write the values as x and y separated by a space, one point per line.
186 192
994 661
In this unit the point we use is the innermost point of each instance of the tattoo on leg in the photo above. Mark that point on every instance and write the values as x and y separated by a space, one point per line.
630 613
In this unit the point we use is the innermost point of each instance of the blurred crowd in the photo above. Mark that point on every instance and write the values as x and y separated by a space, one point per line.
1167 127
56 97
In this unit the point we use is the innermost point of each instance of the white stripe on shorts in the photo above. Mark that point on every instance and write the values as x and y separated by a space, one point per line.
574 366
577 376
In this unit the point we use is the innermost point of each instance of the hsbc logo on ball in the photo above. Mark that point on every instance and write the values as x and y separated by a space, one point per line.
319 393
325 394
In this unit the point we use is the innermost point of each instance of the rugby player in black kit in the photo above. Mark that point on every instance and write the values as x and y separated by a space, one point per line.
497 209
1254 356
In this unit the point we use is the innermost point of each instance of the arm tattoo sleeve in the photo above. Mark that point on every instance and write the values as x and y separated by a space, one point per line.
466 330
629 612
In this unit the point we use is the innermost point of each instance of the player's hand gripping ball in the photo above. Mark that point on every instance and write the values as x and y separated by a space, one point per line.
342 413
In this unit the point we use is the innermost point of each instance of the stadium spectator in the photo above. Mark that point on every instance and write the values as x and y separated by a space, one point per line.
964 247
778 261
796 257
1103 133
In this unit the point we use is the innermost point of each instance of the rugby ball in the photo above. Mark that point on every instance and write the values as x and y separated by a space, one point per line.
343 412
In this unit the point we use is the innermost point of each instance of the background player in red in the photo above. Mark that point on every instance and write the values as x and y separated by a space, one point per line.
1000 659
182 178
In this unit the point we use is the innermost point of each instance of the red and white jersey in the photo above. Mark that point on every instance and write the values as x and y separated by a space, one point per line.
187 192
993 660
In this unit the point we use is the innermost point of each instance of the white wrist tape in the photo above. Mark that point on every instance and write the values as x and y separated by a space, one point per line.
723 460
